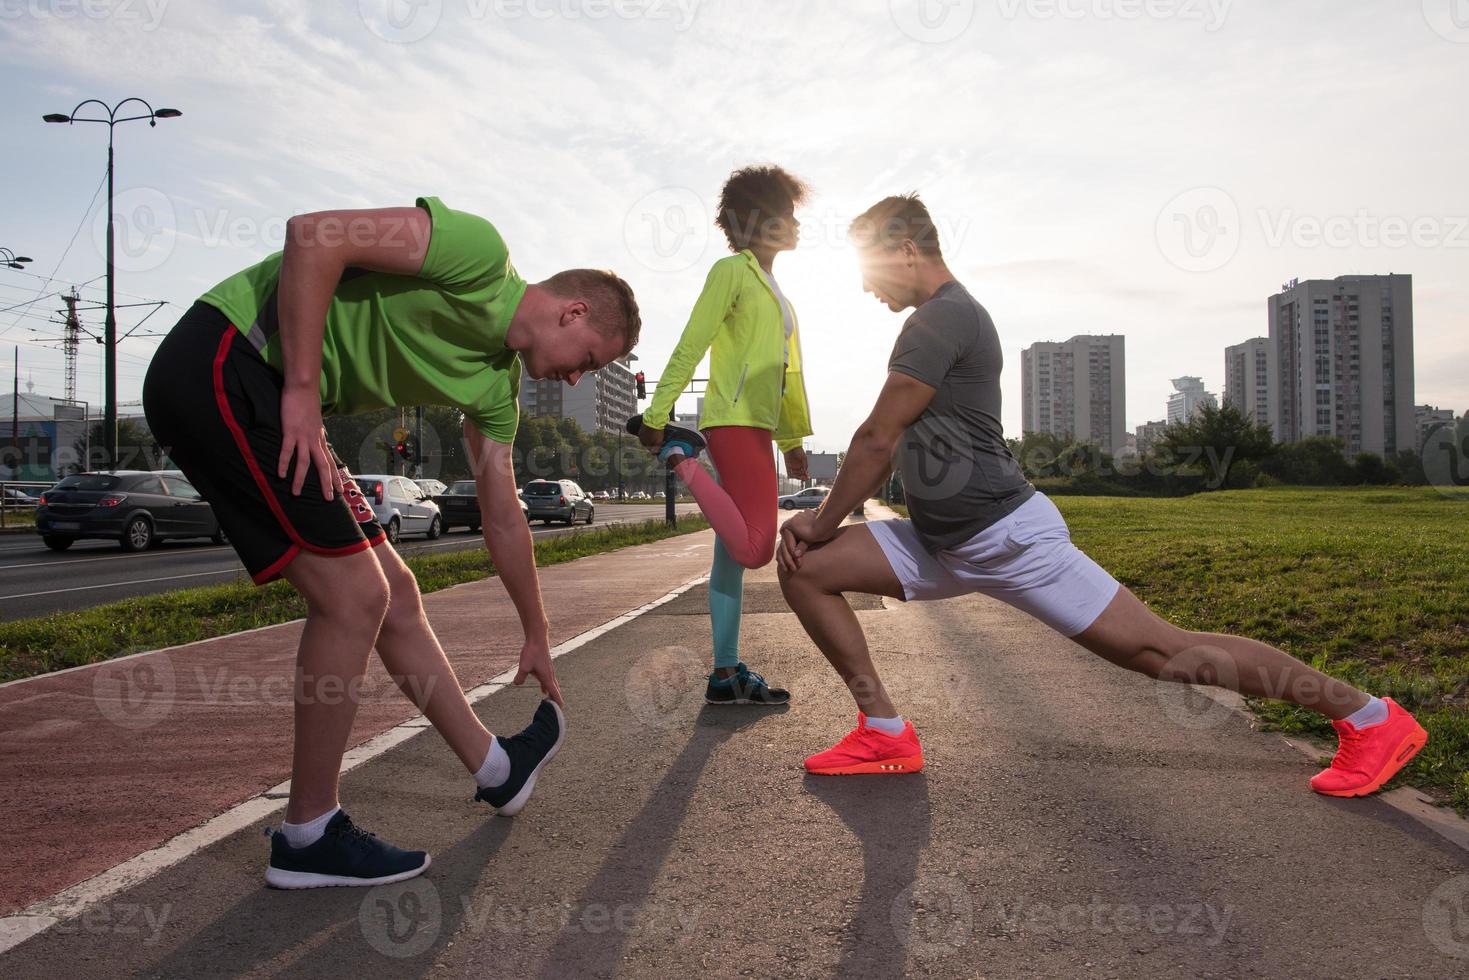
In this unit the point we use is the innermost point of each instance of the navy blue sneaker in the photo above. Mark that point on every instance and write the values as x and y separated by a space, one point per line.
744 686
344 855
677 440
529 752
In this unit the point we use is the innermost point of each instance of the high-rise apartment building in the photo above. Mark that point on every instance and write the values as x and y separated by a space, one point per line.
602 400
1076 388
1188 398
1343 353
1247 378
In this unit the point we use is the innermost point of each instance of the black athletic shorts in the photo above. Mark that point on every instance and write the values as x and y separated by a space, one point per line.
214 406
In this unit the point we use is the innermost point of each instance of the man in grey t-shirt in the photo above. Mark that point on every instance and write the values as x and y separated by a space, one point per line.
978 527
958 474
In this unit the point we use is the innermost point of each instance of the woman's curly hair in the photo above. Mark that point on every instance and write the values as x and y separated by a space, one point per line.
753 196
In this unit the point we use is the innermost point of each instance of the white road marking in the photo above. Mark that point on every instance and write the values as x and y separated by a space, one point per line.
119 585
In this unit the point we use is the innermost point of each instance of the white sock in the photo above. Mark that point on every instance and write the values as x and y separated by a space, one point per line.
1374 712
301 834
888 726
496 767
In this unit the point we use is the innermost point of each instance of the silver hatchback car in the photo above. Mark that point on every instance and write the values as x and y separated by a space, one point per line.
401 505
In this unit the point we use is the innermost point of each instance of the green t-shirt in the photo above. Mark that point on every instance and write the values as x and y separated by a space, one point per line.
437 338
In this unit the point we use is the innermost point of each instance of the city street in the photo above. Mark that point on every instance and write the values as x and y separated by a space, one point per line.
35 581
1073 820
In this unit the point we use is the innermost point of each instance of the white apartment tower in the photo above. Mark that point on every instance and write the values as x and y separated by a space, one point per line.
1343 350
1076 388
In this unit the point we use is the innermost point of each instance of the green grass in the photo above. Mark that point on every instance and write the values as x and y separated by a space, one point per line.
1369 585
20 517
37 646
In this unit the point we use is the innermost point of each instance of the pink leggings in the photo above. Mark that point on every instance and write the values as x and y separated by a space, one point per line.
741 505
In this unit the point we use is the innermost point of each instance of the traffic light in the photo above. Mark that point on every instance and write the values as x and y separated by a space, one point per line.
642 381
404 450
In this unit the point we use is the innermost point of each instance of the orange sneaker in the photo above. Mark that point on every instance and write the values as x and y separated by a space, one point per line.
868 750
1368 758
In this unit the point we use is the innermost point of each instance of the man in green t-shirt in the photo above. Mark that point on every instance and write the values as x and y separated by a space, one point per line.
364 310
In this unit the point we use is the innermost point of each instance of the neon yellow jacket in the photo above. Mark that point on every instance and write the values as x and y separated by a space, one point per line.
738 315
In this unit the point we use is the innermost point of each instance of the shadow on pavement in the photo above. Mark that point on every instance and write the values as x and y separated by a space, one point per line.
387 931
890 816
627 877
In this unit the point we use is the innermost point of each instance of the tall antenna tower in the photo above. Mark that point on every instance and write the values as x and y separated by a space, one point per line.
71 344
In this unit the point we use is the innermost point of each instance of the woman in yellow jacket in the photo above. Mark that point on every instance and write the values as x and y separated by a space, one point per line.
755 394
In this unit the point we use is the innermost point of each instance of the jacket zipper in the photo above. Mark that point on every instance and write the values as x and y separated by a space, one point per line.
741 385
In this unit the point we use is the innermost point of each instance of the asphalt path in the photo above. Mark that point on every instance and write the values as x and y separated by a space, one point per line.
1074 820
36 581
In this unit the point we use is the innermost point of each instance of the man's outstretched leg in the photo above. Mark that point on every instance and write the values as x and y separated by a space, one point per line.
1377 736
851 561
504 769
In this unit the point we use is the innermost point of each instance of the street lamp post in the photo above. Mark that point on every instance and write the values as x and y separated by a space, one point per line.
109 424
11 260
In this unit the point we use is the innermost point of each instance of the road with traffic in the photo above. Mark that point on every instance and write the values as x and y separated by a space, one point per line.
35 581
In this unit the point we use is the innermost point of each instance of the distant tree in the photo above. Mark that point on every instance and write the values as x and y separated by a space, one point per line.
1410 468
1313 461
1216 438
136 448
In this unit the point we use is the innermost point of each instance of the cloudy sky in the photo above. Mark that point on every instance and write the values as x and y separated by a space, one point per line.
1155 168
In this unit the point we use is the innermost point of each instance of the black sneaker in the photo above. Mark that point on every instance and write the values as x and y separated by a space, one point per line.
529 752
688 442
344 855
744 686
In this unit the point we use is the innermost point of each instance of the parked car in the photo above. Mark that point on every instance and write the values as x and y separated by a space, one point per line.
459 506
401 507
133 507
810 497
432 487
558 500
14 497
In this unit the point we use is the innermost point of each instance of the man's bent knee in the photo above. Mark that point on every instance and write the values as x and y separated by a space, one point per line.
404 603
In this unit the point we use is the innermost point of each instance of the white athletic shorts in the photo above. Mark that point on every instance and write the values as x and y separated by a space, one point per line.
1025 559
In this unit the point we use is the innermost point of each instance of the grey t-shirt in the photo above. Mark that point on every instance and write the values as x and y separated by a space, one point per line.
958 474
